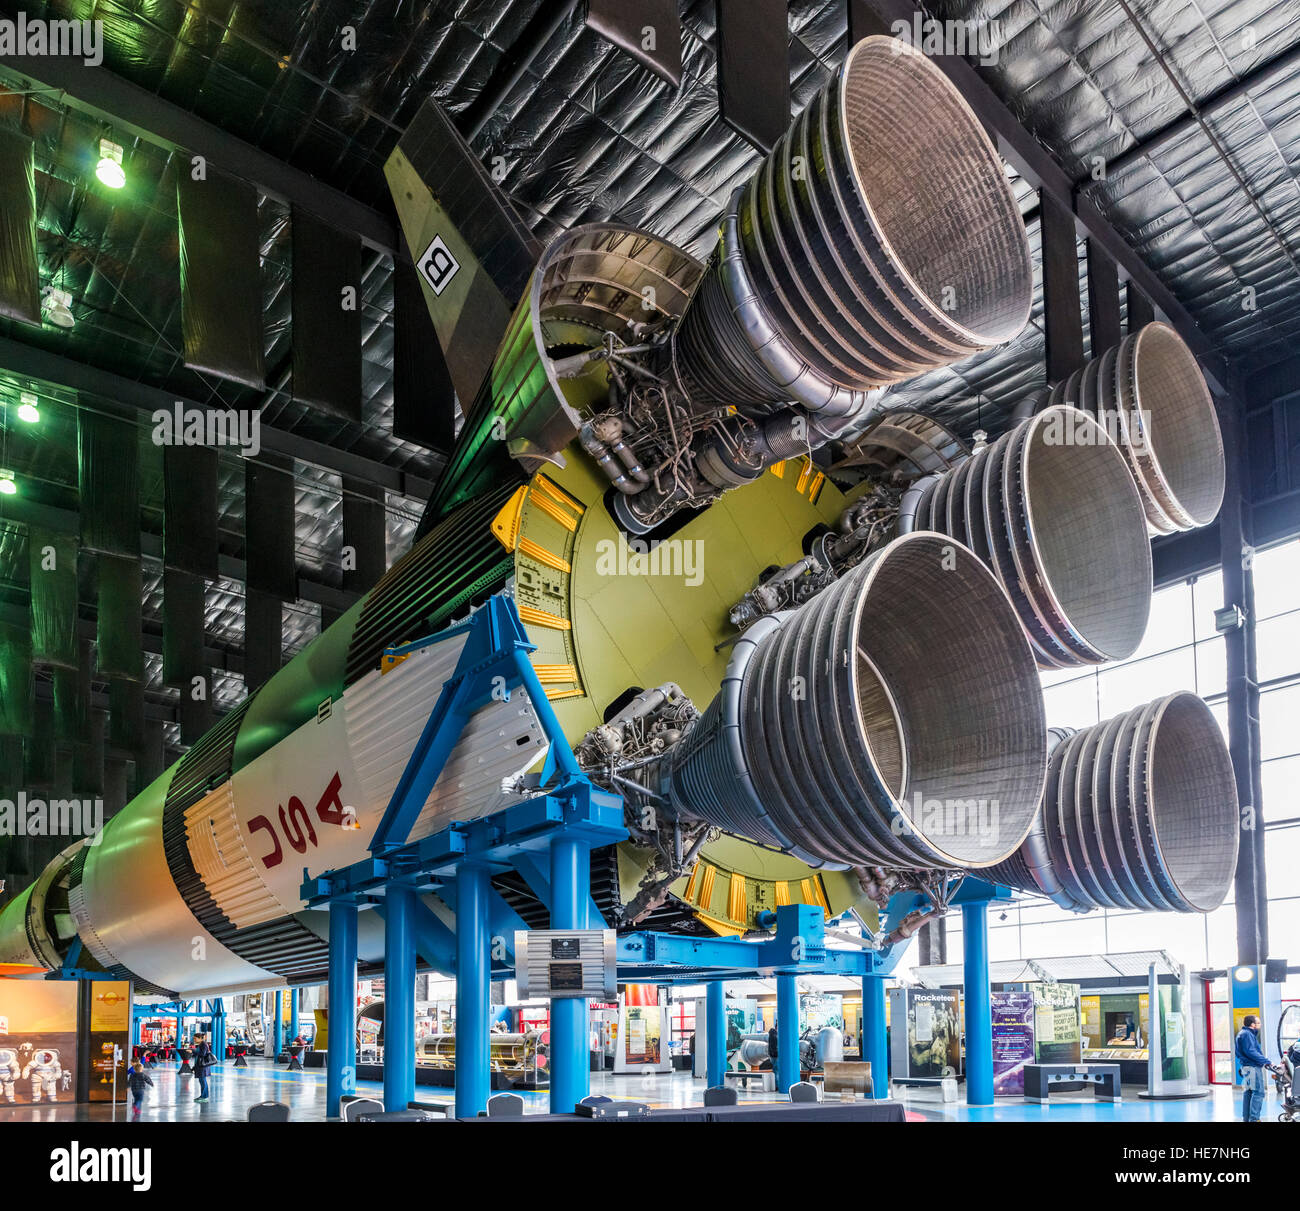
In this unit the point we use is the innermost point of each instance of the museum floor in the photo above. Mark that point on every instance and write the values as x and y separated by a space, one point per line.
235 1089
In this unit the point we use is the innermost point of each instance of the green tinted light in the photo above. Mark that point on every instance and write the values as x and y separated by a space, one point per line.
29 413
111 173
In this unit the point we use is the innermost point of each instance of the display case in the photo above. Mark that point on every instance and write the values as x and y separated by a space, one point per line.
517 1060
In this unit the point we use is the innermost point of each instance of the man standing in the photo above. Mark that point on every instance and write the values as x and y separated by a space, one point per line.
1252 1062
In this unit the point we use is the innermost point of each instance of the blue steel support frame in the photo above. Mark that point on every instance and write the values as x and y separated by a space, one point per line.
294 1027
473 988
277 1035
399 997
341 1037
570 891
979 1014
561 824
715 1034
787 1031
875 1035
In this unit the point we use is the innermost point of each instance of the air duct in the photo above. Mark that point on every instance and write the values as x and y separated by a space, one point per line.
878 240
866 728
1139 812
1051 508
1150 394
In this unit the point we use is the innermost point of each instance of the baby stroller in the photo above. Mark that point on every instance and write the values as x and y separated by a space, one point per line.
1284 1081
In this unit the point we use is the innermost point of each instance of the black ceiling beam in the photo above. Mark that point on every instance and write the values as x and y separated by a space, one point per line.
1181 127
1042 170
145 115
68 521
222 659
132 396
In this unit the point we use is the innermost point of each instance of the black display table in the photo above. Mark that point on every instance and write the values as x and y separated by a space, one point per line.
1104 1078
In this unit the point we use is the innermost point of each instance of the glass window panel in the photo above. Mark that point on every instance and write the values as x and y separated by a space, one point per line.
1073 704
1207 594
1071 935
1221 931
1051 677
1170 624
1279 722
1125 686
1277 646
1220 712
1211 667
1281 786
1283 921
1277 579
1282 868
1182 935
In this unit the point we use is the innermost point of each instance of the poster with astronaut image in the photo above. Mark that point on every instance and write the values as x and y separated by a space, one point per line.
38 1048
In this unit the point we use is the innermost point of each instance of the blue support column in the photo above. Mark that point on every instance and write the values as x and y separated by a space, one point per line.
715 1034
294 1028
473 990
787 1031
399 998
875 1038
341 1039
570 891
979 1014
277 1038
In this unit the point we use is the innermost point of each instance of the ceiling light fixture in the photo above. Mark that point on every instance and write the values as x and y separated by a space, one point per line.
8 487
109 169
28 411
56 307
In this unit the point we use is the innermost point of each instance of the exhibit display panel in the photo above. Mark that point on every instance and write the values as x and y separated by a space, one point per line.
38 1041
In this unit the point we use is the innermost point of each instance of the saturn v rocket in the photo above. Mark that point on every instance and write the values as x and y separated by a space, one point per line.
797 630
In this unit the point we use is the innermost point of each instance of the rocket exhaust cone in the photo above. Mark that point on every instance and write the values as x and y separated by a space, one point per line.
1153 398
894 719
1139 812
878 239
1052 509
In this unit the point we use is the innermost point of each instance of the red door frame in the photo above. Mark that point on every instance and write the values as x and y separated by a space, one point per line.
1210 1051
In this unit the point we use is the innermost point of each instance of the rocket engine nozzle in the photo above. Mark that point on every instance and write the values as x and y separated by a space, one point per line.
1138 812
879 239
1152 396
895 719
1051 508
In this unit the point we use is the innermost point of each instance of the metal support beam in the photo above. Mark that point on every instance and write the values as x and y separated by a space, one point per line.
131 397
277 1035
473 984
1104 328
715 1033
976 996
145 115
570 890
1250 892
875 1038
399 998
341 1039
295 995
1062 314
787 1031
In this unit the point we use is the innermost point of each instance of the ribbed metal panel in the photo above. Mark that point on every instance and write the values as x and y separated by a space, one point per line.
456 564
283 946
1139 812
386 712
219 851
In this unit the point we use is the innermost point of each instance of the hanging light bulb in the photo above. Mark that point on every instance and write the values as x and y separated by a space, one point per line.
56 307
28 411
109 169
8 487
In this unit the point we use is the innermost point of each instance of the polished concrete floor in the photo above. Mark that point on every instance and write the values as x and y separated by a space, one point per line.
235 1089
